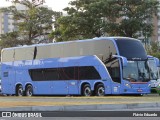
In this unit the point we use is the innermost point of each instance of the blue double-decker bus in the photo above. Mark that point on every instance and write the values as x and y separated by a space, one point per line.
99 66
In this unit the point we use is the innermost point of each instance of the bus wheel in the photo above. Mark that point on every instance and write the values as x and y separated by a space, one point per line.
19 90
29 90
100 91
86 90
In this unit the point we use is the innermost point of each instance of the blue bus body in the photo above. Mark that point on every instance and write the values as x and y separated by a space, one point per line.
154 68
73 75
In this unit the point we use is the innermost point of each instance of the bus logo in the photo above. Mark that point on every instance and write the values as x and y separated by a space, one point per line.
6 114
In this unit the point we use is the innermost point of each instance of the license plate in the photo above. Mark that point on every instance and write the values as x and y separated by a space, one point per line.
139 90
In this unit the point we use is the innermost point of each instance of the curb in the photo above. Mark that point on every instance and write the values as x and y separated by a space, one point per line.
83 107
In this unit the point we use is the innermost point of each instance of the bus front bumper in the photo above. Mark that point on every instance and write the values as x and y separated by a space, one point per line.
137 91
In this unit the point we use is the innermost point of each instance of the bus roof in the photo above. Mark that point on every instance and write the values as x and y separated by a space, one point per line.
65 42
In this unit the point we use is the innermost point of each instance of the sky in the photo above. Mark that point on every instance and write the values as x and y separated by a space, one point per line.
56 5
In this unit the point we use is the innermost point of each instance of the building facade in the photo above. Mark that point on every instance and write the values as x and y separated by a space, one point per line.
8 24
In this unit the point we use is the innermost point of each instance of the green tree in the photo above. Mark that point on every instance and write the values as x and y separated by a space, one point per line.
154 49
35 1
79 23
135 16
32 23
10 40
94 18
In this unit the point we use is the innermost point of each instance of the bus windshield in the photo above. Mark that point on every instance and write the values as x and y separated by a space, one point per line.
131 49
153 69
136 71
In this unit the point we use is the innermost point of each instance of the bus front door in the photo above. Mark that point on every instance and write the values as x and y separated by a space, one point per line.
114 71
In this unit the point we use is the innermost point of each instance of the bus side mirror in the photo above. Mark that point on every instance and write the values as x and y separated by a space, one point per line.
124 59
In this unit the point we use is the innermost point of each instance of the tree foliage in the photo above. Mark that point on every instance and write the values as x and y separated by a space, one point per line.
154 49
94 18
10 40
34 1
32 23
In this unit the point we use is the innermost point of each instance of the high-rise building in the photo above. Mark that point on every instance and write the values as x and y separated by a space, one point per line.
8 24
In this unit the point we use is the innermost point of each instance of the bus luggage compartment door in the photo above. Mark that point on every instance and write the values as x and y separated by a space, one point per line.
8 82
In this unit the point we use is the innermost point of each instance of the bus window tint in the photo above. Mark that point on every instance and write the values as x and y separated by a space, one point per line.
136 71
131 48
114 70
88 72
153 69
65 73
51 74
37 74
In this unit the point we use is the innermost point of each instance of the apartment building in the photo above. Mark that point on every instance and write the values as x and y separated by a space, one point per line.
7 23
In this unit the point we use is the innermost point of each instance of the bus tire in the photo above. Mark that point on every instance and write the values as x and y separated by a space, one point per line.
100 90
19 90
29 91
86 91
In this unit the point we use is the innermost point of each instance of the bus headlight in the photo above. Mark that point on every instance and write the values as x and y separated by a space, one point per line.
128 85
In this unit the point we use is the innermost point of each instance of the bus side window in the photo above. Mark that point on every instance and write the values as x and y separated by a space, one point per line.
51 74
66 73
88 73
37 74
114 70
